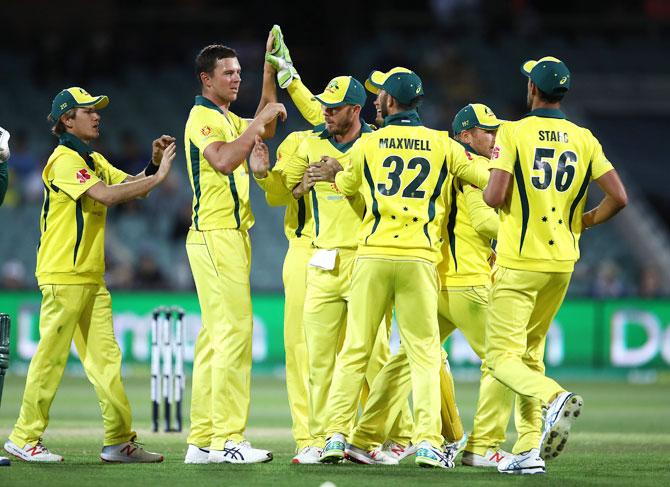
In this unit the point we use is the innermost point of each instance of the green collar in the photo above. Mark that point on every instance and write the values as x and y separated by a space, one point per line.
207 103
79 146
468 147
409 118
343 147
546 113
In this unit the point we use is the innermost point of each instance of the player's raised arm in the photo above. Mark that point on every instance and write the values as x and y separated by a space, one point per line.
110 195
268 93
278 57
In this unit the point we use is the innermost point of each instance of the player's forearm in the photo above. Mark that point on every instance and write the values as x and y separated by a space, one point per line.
303 99
227 157
268 95
482 217
607 208
120 193
3 181
472 173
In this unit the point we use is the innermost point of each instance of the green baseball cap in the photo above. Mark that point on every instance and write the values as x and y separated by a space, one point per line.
549 74
342 90
75 97
401 83
475 115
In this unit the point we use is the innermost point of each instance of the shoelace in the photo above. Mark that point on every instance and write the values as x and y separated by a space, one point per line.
40 448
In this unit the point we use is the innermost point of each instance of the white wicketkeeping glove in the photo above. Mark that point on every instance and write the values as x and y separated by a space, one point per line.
4 145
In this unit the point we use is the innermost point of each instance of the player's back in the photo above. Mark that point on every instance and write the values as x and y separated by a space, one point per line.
404 171
552 161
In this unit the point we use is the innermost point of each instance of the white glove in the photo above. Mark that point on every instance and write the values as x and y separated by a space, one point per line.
4 145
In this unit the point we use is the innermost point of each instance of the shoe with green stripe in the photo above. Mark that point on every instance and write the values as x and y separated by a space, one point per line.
429 457
334 450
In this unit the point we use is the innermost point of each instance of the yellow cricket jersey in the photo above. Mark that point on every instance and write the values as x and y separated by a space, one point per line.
219 200
470 226
298 221
336 217
401 170
71 249
552 161
308 106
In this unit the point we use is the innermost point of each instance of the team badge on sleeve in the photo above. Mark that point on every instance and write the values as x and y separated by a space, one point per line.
206 130
83 176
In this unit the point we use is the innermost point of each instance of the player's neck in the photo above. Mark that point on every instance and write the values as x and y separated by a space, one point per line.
218 101
537 104
350 134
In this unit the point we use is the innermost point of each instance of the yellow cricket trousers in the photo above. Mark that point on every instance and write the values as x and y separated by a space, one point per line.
413 286
466 308
522 307
325 322
220 262
82 312
297 368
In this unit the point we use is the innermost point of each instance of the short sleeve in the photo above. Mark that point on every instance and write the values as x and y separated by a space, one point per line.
504 151
72 175
599 163
109 173
206 129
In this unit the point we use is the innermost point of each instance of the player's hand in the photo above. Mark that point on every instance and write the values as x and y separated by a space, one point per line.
259 159
325 170
303 187
167 157
4 145
272 111
158 146
492 258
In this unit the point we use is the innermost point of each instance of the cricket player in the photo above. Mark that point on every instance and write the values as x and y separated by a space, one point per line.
217 142
4 157
465 280
400 170
542 167
399 425
299 231
79 185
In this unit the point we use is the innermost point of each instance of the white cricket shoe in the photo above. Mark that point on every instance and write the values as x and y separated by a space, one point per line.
397 451
430 457
368 457
561 413
451 450
241 452
308 456
196 455
129 452
490 459
32 453
528 462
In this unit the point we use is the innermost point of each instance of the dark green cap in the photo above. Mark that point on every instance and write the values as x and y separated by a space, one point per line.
75 97
549 74
401 83
342 90
475 115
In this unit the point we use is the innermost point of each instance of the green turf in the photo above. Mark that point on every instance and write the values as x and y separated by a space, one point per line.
623 437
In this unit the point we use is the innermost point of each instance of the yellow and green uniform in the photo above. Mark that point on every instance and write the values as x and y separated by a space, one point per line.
75 301
465 277
401 171
219 252
552 161
336 221
299 231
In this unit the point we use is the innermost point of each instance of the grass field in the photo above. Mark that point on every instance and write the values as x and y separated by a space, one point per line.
623 437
